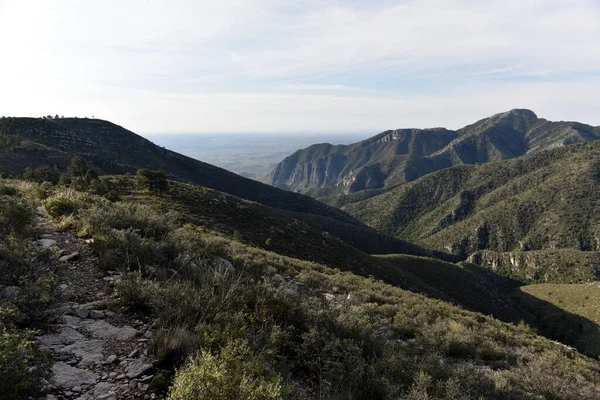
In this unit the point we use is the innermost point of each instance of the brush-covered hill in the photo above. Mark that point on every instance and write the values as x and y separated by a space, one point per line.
546 200
111 149
283 233
395 157
232 318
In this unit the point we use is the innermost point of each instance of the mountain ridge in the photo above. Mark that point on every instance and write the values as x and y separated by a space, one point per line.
112 149
395 157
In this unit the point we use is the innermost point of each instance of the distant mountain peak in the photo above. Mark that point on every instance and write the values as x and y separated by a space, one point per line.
398 156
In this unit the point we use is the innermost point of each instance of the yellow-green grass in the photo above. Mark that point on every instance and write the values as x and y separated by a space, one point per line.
567 312
581 299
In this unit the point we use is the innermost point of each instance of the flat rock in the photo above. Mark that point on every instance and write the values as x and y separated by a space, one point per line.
46 242
69 377
73 322
138 368
103 330
69 257
66 336
90 351
102 389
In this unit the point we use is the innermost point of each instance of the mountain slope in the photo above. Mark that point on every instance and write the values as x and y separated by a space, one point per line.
111 149
547 200
399 156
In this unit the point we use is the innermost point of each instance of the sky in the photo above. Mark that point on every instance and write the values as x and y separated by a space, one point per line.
282 66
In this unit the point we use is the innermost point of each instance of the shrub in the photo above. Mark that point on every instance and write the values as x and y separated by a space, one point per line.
126 250
155 181
8 190
59 206
18 379
234 373
171 346
105 216
15 216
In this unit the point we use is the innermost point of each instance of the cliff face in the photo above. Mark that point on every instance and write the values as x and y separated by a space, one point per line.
556 266
399 156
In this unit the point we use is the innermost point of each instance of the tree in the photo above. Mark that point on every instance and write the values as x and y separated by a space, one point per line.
78 167
155 181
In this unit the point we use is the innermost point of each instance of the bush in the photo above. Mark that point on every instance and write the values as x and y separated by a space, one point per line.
15 216
17 378
234 373
155 181
59 206
126 250
105 216
172 346
8 190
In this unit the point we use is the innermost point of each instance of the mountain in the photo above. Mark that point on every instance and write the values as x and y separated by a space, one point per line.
546 200
111 149
399 156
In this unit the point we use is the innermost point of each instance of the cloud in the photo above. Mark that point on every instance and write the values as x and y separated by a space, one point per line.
318 65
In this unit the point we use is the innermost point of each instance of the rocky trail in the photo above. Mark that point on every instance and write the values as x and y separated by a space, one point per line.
96 353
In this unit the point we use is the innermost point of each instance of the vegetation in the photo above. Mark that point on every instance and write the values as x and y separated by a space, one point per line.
335 174
26 288
542 266
546 200
566 312
111 149
236 320
155 181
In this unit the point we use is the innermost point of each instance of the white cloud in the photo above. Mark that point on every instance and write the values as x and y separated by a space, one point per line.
256 65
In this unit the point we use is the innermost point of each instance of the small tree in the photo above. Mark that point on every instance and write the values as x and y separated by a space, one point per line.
155 181
78 167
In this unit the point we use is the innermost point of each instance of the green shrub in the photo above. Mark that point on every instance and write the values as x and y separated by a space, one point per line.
44 190
126 250
105 216
59 206
155 181
8 190
15 216
234 373
19 377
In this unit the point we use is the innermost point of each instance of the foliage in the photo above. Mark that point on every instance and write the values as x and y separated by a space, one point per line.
234 373
317 331
155 181
15 215
17 378
78 167
546 200
42 174
27 286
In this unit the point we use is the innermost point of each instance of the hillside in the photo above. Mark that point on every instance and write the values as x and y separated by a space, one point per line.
566 312
111 149
229 317
281 232
546 200
398 156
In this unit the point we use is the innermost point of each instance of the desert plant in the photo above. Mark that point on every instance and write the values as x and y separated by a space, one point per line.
234 373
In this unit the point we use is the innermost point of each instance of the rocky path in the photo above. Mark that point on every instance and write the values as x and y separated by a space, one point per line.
97 353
